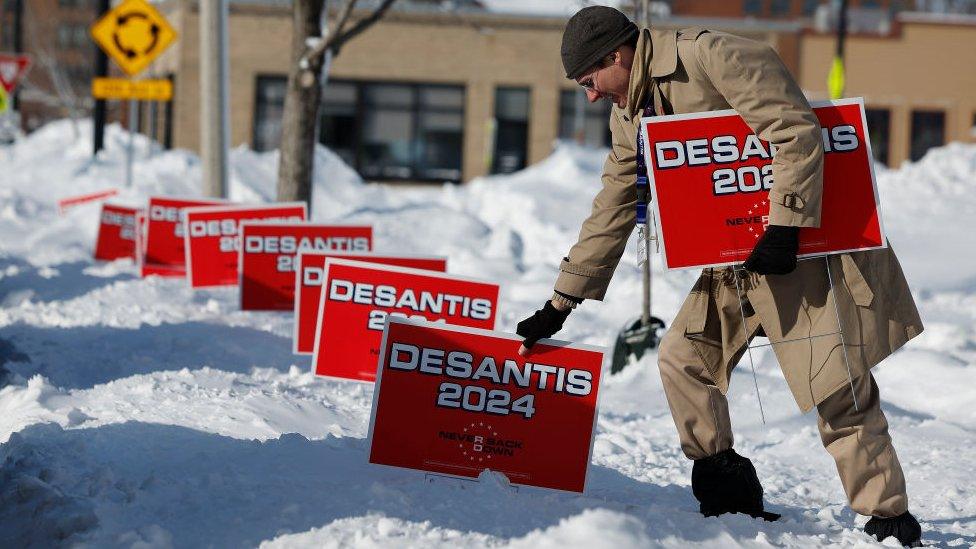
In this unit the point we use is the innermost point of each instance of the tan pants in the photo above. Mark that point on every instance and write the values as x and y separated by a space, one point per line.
857 440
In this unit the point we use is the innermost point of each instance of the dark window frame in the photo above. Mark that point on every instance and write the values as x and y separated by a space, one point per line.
882 156
494 168
603 116
257 101
416 110
912 153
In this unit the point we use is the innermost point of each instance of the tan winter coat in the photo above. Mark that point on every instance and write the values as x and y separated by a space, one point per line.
695 70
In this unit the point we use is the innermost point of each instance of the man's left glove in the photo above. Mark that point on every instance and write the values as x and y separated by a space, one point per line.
543 323
775 253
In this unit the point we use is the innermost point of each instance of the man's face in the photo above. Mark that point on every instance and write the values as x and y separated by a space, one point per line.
610 78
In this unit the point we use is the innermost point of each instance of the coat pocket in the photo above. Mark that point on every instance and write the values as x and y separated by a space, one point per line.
860 289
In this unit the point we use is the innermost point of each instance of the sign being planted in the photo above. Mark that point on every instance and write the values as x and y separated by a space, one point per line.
116 233
308 287
357 298
212 238
163 252
268 257
712 184
456 401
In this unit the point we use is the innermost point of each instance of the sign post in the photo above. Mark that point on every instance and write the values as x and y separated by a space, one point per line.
13 67
133 34
456 400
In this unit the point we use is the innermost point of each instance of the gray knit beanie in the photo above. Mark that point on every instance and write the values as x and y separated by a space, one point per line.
591 34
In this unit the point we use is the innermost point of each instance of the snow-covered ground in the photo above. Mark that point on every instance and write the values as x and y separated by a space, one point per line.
141 414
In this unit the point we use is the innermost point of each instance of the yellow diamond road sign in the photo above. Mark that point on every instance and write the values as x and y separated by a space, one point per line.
3 100
133 34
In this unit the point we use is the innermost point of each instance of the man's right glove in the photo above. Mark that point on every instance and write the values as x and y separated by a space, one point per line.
544 323
775 253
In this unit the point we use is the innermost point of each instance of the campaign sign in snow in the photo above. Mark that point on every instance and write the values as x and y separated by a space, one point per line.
212 238
164 250
711 176
308 287
116 233
357 297
267 262
67 203
457 401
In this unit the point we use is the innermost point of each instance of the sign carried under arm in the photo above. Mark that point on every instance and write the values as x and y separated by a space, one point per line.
711 178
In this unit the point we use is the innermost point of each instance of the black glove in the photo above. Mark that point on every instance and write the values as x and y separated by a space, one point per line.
775 253
544 323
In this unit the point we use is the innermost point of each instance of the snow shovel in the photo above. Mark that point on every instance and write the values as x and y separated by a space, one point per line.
643 333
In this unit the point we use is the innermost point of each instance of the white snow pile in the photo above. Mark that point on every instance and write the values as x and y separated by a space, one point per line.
137 413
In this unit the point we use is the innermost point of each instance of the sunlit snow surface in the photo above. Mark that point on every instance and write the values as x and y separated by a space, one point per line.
142 414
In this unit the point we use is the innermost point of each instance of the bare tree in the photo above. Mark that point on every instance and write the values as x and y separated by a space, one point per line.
311 46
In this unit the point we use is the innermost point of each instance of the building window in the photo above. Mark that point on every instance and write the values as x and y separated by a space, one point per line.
928 130
879 128
582 121
810 7
392 131
511 130
337 127
752 7
269 105
780 8
72 36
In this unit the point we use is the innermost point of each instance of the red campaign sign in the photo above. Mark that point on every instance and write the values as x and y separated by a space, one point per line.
356 298
710 178
268 255
212 238
66 204
116 233
12 69
164 250
308 287
457 401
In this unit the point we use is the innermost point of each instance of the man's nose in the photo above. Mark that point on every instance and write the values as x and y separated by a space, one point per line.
593 96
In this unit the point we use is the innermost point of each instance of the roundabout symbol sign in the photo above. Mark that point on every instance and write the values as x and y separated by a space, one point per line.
133 34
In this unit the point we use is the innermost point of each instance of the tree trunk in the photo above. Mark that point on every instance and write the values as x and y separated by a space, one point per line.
301 107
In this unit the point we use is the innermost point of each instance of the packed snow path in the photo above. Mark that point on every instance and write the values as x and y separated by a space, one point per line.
140 413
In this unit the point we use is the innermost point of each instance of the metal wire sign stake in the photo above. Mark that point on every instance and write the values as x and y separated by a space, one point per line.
839 332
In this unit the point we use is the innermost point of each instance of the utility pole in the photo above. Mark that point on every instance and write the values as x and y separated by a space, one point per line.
836 80
101 70
214 128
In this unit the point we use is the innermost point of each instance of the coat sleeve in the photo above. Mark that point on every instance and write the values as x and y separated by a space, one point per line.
754 81
585 273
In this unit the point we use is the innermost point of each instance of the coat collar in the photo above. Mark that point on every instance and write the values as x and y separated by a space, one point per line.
656 56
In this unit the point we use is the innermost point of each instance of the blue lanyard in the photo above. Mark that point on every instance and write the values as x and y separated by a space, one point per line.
643 189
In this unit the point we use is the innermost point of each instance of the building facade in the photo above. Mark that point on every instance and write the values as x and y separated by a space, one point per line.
436 93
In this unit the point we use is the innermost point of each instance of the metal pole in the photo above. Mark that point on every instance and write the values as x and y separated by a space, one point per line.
152 127
213 96
101 69
130 150
755 380
18 44
840 328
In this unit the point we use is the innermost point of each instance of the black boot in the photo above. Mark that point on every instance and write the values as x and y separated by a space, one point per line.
727 483
904 528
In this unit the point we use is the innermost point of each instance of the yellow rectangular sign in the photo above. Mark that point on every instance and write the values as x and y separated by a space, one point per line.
143 90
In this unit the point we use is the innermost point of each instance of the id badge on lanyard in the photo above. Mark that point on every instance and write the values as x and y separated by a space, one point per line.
643 194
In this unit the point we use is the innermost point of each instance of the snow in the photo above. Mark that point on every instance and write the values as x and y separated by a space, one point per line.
138 413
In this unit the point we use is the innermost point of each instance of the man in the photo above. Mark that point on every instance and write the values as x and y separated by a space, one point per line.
693 70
